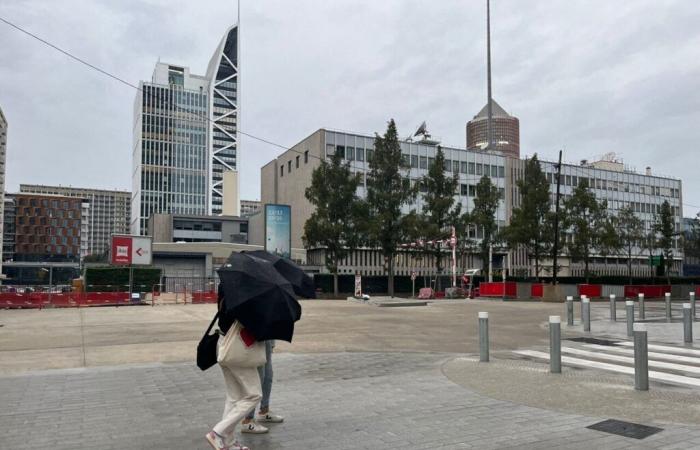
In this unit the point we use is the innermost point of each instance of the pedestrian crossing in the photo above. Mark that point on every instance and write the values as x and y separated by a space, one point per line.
667 364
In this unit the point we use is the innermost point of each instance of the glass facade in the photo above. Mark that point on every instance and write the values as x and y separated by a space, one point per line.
223 92
172 151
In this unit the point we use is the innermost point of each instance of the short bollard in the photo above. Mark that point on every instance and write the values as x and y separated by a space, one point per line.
641 306
581 300
667 296
687 324
555 344
629 310
692 305
641 358
484 337
613 308
586 303
570 311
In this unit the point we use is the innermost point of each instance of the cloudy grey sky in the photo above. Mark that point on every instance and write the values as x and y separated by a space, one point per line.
588 76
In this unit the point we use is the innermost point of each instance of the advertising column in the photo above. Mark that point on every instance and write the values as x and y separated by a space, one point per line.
278 230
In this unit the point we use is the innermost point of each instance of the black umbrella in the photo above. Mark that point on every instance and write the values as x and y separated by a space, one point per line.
302 284
255 294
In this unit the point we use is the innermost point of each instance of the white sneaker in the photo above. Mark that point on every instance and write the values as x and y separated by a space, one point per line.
253 428
268 417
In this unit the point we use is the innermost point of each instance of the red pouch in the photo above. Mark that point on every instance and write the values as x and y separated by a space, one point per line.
247 337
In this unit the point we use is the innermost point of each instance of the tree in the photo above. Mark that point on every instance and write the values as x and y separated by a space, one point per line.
333 225
484 217
586 219
630 231
666 231
440 211
531 225
387 192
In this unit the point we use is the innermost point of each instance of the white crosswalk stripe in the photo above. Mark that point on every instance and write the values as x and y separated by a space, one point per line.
665 362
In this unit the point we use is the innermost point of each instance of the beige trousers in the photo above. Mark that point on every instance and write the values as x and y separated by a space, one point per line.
243 392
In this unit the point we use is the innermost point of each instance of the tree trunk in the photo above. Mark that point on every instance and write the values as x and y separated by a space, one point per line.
629 263
537 263
390 265
585 269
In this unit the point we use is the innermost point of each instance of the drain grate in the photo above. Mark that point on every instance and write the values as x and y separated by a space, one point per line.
626 429
590 340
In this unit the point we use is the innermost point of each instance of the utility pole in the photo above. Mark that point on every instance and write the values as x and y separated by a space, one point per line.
555 249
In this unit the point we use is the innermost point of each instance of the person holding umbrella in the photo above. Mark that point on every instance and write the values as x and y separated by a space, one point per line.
255 298
303 286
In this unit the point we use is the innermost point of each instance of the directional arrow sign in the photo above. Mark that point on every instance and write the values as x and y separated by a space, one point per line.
139 251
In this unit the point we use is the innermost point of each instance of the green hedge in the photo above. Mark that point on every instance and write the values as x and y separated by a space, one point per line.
116 279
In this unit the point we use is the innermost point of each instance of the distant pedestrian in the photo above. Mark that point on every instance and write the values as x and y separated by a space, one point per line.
243 392
251 424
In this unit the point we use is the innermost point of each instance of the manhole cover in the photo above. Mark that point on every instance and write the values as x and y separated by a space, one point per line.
590 340
626 429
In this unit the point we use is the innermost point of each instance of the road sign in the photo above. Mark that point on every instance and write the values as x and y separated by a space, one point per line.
131 250
655 261
413 276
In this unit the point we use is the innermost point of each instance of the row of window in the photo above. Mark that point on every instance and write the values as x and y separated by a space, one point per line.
297 160
612 185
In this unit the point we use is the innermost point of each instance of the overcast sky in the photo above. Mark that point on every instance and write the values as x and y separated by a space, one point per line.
588 76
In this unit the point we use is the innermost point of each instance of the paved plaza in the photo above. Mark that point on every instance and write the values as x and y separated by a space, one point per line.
356 377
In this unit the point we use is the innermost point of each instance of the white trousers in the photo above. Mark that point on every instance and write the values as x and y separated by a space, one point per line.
243 392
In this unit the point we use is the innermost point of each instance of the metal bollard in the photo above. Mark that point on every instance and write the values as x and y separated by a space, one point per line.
687 324
570 310
613 308
641 358
629 310
667 296
641 306
484 337
555 344
581 300
692 305
586 303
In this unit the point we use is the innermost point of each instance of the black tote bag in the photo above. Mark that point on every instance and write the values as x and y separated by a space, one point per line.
206 349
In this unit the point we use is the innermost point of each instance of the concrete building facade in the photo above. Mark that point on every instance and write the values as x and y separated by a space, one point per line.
109 213
3 157
190 228
285 179
250 207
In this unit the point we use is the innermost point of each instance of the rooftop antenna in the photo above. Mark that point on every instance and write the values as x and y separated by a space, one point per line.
488 76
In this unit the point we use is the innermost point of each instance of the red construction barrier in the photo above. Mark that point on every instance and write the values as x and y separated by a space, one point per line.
649 290
62 299
537 290
498 289
204 297
590 290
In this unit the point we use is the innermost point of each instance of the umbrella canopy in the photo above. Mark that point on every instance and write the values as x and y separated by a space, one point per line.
255 294
302 284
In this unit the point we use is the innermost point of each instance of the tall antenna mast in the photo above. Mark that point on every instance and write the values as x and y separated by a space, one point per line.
488 76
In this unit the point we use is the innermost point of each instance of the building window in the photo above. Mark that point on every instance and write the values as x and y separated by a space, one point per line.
297 161
306 157
340 151
289 166
350 153
282 170
423 162
472 190
471 168
479 169
464 189
448 165
494 171
501 172
431 161
360 154
414 161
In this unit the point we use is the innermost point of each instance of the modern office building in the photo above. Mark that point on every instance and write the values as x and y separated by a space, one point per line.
190 228
185 137
285 179
250 207
8 227
49 227
506 131
3 150
170 157
224 88
109 213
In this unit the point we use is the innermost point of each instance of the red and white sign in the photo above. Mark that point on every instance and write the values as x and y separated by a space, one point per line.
131 250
